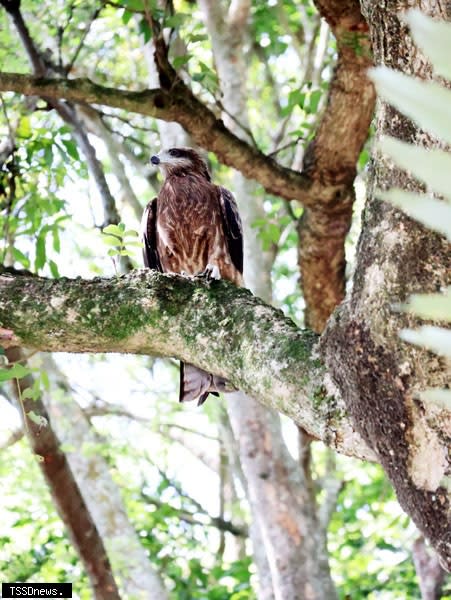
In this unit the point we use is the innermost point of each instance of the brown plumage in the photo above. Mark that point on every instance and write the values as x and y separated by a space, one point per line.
193 227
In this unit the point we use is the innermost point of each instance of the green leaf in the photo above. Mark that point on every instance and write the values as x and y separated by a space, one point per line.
438 396
315 97
30 393
17 371
24 129
126 16
125 253
113 230
37 419
133 4
5 374
56 240
426 103
111 240
130 233
54 269
436 339
112 252
20 257
48 155
180 61
296 97
430 166
197 37
433 37
199 77
145 30
71 148
40 253
176 20
45 380
273 232
134 244
433 213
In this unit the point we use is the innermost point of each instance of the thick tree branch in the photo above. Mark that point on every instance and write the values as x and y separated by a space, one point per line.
215 325
332 157
206 129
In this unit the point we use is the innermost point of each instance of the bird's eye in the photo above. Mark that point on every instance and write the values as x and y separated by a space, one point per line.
174 152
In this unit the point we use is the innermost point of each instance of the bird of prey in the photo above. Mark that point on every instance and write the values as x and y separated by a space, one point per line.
193 227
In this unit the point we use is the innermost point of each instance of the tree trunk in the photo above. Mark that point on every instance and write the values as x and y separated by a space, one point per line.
376 373
282 511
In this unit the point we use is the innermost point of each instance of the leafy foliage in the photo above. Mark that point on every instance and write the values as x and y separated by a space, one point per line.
120 240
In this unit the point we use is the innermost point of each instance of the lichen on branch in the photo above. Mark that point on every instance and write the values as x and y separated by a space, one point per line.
213 325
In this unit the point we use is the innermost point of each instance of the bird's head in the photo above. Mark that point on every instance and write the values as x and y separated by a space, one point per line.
181 161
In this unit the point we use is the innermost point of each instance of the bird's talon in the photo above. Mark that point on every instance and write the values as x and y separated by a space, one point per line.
210 272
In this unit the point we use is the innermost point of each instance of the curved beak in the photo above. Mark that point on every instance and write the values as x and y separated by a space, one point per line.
155 160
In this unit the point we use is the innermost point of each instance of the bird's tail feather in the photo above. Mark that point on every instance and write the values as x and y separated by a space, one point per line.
197 384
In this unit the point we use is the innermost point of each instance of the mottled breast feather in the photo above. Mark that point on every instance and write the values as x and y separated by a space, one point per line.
194 223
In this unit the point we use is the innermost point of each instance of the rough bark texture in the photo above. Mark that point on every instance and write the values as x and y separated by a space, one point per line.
215 326
228 332
282 506
377 374
66 493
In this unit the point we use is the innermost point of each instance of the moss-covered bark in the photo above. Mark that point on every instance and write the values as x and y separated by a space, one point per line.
214 325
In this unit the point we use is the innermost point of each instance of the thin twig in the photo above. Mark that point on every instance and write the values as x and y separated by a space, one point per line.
68 68
188 430
189 517
61 30
8 122
285 146
177 487
129 138
125 120
236 121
